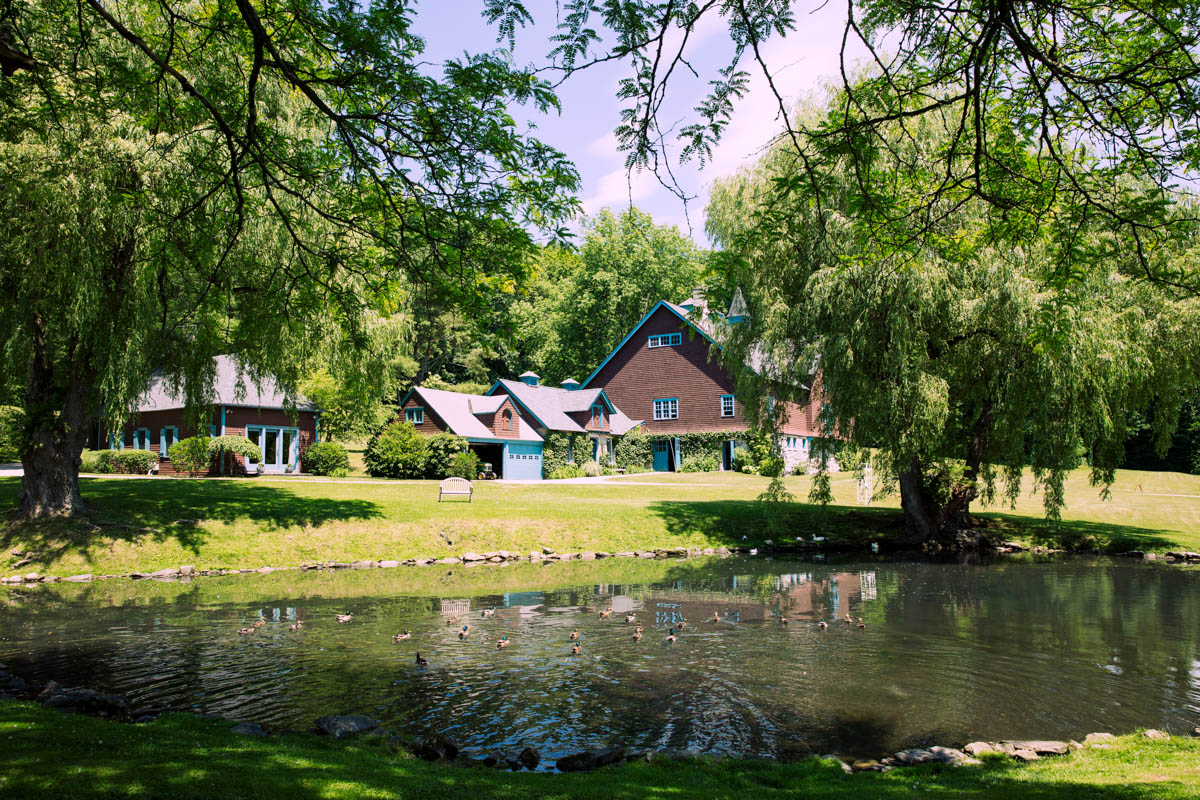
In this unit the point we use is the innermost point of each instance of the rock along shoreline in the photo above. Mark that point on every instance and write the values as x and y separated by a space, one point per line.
546 555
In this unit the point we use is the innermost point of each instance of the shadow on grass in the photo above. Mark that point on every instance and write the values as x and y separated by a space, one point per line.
135 511
181 757
728 521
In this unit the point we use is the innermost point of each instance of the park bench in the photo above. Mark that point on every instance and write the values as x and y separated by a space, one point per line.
455 486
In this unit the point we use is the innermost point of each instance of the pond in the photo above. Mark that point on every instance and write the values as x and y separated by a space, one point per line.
950 652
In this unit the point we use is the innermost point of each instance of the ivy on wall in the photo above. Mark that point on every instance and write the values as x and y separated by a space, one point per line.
557 446
634 450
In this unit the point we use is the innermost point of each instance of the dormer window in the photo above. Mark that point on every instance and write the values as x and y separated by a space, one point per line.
666 339
415 415
597 415
508 420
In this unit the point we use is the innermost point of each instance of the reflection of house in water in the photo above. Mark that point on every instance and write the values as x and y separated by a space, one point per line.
798 596
454 608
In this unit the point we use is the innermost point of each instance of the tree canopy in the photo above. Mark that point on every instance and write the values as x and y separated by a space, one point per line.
963 363
242 177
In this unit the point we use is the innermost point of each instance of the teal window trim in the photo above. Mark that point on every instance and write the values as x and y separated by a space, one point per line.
665 340
507 416
141 438
415 415
728 405
165 441
571 451
597 414
666 408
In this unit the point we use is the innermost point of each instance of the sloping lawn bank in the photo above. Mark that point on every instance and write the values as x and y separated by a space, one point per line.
155 523
47 754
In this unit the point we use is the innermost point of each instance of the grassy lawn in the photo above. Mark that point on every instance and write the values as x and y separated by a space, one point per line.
45 754
146 524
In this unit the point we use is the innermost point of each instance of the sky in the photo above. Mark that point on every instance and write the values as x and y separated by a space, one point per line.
801 63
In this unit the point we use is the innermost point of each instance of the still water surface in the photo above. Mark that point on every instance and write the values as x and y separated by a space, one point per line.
951 652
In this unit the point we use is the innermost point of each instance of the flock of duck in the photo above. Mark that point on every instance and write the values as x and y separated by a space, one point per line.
576 645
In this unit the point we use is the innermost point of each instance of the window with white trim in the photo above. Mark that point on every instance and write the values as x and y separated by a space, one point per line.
726 405
667 408
666 339
415 415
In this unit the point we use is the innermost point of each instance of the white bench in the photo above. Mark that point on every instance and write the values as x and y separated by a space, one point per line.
455 486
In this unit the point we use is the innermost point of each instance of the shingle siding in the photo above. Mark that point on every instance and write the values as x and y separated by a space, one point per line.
638 374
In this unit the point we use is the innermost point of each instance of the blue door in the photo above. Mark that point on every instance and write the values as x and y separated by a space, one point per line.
523 462
661 457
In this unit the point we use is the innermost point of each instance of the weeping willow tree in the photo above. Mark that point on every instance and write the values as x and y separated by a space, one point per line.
959 358
240 177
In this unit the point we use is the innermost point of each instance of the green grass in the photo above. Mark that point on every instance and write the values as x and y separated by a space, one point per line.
46 754
146 524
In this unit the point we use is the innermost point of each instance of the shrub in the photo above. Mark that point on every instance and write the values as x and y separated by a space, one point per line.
592 470
742 461
397 451
12 431
237 445
326 458
700 462
89 461
125 462
463 465
443 448
566 471
190 455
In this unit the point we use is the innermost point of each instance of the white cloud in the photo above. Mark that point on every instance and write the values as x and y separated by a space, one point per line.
618 188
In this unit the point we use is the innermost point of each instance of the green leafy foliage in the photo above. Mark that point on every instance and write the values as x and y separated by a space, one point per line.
233 445
566 471
325 458
443 448
191 455
964 363
125 462
12 432
230 180
397 451
700 462
592 470
463 465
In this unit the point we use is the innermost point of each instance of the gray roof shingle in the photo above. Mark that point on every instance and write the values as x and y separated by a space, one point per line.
458 411
233 387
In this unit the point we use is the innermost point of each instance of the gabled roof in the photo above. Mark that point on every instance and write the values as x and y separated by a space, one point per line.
457 410
481 404
232 387
702 326
551 405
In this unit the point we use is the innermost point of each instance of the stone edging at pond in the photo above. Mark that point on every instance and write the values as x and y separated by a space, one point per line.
440 748
548 556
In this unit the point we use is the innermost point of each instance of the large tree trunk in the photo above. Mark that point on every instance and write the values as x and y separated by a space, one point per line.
930 520
57 416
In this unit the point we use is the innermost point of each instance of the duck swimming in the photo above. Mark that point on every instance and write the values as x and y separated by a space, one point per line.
576 649
421 662
246 631
574 634
258 623
400 637
783 620
670 636
630 618
345 617
637 634
822 624
464 632
299 624
682 624
716 617
490 611
605 613
861 624
502 643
